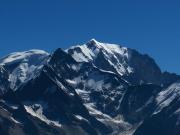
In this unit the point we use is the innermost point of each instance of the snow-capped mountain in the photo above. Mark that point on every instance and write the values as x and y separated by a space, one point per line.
22 66
123 61
90 89
117 57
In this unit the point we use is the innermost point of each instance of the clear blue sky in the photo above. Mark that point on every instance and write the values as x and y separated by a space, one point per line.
150 26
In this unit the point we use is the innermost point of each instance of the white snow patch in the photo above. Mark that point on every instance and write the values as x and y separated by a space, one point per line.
36 110
80 117
13 106
17 122
166 96
71 82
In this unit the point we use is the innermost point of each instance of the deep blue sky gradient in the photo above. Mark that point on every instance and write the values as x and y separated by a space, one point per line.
150 26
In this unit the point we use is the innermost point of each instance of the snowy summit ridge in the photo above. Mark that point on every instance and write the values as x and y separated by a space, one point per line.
123 61
22 65
92 50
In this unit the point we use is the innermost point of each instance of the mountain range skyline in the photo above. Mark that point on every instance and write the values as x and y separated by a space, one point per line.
51 51
151 27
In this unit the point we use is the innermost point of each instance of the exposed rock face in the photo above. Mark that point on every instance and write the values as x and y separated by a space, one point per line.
4 82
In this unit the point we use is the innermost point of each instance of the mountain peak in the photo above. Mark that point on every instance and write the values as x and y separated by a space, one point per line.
22 56
61 56
93 41
120 60
97 52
